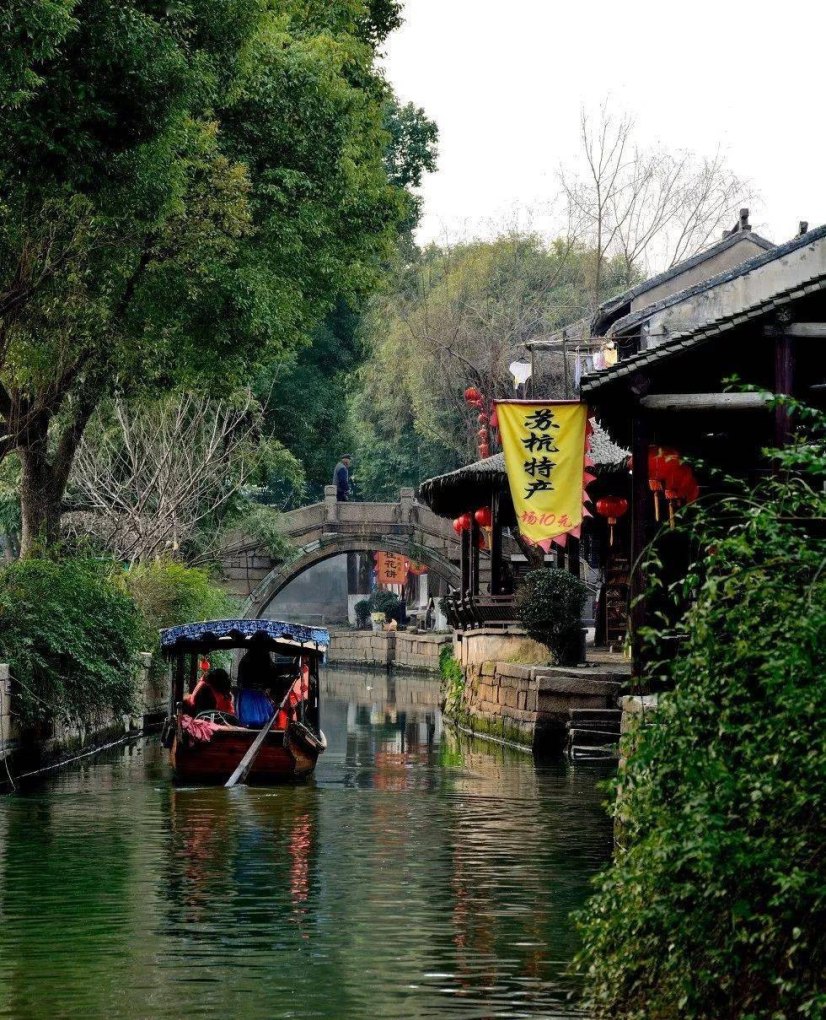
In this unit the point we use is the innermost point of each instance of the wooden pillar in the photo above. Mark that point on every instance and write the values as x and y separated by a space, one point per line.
640 511
178 682
783 384
573 556
193 670
495 547
465 561
474 556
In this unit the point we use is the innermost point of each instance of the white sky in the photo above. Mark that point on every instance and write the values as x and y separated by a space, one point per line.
505 80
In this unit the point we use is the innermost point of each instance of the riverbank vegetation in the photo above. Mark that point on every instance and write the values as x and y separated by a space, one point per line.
71 635
73 628
717 906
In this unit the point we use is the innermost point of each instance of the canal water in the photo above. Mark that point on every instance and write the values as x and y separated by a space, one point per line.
418 874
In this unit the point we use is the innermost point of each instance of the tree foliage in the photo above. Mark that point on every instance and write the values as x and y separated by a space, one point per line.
186 190
718 906
71 636
452 318
167 593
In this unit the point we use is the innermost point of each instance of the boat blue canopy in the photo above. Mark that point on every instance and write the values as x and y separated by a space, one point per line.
274 634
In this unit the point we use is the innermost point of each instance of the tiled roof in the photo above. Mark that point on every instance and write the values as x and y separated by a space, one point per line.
626 297
780 251
689 339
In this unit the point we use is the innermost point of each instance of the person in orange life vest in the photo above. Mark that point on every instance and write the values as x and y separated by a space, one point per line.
212 693
299 692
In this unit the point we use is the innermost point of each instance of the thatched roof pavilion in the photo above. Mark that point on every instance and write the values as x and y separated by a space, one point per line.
485 484
474 485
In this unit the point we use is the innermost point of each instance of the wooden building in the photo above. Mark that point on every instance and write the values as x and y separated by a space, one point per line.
762 321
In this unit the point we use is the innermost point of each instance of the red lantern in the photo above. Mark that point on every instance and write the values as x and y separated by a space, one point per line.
457 526
472 395
661 461
482 435
482 419
484 518
494 419
484 450
612 507
680 486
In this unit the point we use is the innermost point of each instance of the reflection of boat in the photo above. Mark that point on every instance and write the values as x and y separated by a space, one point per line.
208 748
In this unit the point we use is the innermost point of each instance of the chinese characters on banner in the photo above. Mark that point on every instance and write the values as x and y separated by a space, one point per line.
391 568
544 447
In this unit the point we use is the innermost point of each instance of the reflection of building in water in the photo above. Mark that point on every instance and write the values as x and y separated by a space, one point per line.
390 722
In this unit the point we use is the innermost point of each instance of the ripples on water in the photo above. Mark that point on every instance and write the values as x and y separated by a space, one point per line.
417 875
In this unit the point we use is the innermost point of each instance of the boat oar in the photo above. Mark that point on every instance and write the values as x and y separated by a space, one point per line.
246 763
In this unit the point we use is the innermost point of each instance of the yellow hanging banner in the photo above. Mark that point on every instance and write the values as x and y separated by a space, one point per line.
544 447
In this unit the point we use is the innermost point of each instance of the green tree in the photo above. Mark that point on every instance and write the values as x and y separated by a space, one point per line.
449 319
186 190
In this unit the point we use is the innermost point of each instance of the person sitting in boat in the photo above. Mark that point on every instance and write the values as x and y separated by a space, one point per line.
257 674
212 693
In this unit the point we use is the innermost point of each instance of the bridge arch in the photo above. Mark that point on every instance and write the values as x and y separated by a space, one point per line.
334 544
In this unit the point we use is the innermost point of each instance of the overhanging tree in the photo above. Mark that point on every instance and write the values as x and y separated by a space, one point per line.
185 192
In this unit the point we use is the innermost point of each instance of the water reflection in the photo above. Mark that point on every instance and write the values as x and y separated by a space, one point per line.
417 875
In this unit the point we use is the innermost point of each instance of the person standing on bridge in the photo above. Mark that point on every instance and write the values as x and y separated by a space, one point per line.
341 479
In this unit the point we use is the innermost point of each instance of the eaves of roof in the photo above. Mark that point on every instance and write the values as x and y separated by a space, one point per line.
636 318
682 342
612 304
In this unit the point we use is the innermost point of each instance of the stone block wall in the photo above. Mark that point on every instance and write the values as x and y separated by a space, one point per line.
420 651
362 648
381 649
530 705
497 644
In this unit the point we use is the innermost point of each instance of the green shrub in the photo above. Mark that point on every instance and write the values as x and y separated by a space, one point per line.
385 602
549 606
362 611
453 683
71 636
717 907
168 593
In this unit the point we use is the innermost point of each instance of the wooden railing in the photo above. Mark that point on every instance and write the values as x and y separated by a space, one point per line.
468 611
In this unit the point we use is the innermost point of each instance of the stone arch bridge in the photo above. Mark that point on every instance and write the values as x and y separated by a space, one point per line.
322 530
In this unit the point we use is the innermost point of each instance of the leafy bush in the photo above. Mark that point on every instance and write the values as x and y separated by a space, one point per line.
385 602
71 636
718 906
453 683
362 611
549 605
168 593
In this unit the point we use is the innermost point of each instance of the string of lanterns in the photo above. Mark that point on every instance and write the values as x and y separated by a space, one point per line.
486 419
483 517
667 474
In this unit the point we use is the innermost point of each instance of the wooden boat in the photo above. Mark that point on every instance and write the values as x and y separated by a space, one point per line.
210 750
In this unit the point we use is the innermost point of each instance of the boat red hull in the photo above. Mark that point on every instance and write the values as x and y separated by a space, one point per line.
285 755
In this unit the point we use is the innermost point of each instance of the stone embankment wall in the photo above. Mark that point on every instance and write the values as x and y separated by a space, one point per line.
57 740
401 649
530 705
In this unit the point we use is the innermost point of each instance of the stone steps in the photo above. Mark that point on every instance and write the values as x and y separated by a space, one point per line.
593 733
